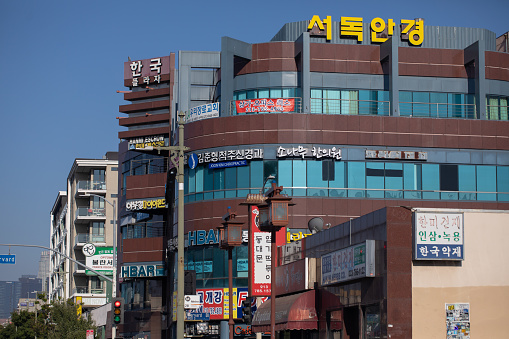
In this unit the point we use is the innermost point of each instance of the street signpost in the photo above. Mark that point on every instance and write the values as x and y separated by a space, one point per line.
7 259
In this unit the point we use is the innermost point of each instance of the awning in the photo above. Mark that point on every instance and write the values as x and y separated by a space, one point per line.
293 312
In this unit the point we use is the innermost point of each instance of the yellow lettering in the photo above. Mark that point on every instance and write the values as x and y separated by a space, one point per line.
416 37
351 26
377 26
317 21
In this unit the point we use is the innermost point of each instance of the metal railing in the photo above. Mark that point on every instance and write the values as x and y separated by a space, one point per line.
83 238
91 185
90 212
148 166
87 290
437 110
350 107
369 193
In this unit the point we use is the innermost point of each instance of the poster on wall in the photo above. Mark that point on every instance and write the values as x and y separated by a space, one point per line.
457 320
438 236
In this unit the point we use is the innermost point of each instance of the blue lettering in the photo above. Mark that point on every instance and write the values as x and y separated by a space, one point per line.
150 271
133 271
141 272
212 237
200 237
191 238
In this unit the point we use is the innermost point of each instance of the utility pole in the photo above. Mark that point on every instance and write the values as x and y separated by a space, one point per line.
178 152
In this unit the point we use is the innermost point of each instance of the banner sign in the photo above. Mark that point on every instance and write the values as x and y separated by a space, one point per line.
229 155
350 263
201 112
411 30
292 277
438 236
265 105
215 304
144 142
311 152
101 260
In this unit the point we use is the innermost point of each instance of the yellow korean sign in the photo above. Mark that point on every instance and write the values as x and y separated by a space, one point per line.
381 30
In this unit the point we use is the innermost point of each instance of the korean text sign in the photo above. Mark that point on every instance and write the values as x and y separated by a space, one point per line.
353 262
438 236
260 257
265 105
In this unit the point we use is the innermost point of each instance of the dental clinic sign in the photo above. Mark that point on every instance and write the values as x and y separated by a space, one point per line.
380 29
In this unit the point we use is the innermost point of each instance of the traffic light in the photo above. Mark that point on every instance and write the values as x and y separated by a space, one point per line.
117 307
247 315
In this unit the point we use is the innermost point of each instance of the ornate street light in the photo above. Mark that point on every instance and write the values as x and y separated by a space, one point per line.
230 236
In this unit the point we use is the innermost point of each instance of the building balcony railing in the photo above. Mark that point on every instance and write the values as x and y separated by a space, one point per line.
361 193
87 185
84 238
90 212
148 166
87 290
350 107
438 110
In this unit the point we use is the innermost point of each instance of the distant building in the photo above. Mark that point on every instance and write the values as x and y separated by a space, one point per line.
30 286
44 270
10 292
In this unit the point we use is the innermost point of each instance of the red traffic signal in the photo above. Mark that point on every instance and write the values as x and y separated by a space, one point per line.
118 311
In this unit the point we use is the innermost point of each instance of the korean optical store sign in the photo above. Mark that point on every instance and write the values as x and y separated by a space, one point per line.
380 29
145 204
438 236
353 262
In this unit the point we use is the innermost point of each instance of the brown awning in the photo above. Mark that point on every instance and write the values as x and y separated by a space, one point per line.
293 312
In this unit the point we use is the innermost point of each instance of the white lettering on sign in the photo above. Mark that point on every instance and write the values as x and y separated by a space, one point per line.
314 152
236 154
398 155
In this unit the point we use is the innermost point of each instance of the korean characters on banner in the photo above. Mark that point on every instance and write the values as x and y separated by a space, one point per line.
260 257
438 236
146 71
265 105
229 155
381 30
215 304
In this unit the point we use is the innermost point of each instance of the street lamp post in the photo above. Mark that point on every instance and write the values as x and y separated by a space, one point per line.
230 236
273 216
114 280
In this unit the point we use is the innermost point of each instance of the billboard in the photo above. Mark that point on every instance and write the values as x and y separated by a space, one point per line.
438 236
265 105
350 263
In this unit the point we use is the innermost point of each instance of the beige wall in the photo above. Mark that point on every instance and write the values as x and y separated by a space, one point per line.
482 280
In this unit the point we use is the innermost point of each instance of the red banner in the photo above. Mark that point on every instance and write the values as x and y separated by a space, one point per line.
265 105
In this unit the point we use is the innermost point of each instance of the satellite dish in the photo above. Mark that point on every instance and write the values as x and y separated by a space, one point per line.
315 225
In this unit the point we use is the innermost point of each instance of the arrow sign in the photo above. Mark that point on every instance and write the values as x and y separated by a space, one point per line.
7 258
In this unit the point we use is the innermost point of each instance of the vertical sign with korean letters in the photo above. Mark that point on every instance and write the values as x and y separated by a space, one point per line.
146 71
260 257
438 236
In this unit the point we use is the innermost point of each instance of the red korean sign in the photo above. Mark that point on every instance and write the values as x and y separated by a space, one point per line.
265 105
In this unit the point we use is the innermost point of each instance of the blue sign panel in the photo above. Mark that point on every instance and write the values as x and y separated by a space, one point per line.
7 258
192 161
438 251
235 163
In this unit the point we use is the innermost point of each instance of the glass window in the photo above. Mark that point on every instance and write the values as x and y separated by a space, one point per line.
98 231
412 181
421 104
394 181
218 183
208 183
339 180
466 182
449 181
285 177
430 181
275 93
438 106
192 181
97 202
315 177
405 103
503 183
242 180
230 184
486 182
375 179
299 177
356 179
264 93
256 175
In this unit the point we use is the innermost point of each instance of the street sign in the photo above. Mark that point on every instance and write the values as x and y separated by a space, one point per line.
192 161
7 258
192 302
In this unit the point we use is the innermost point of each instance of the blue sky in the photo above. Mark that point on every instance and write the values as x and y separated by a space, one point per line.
61 63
